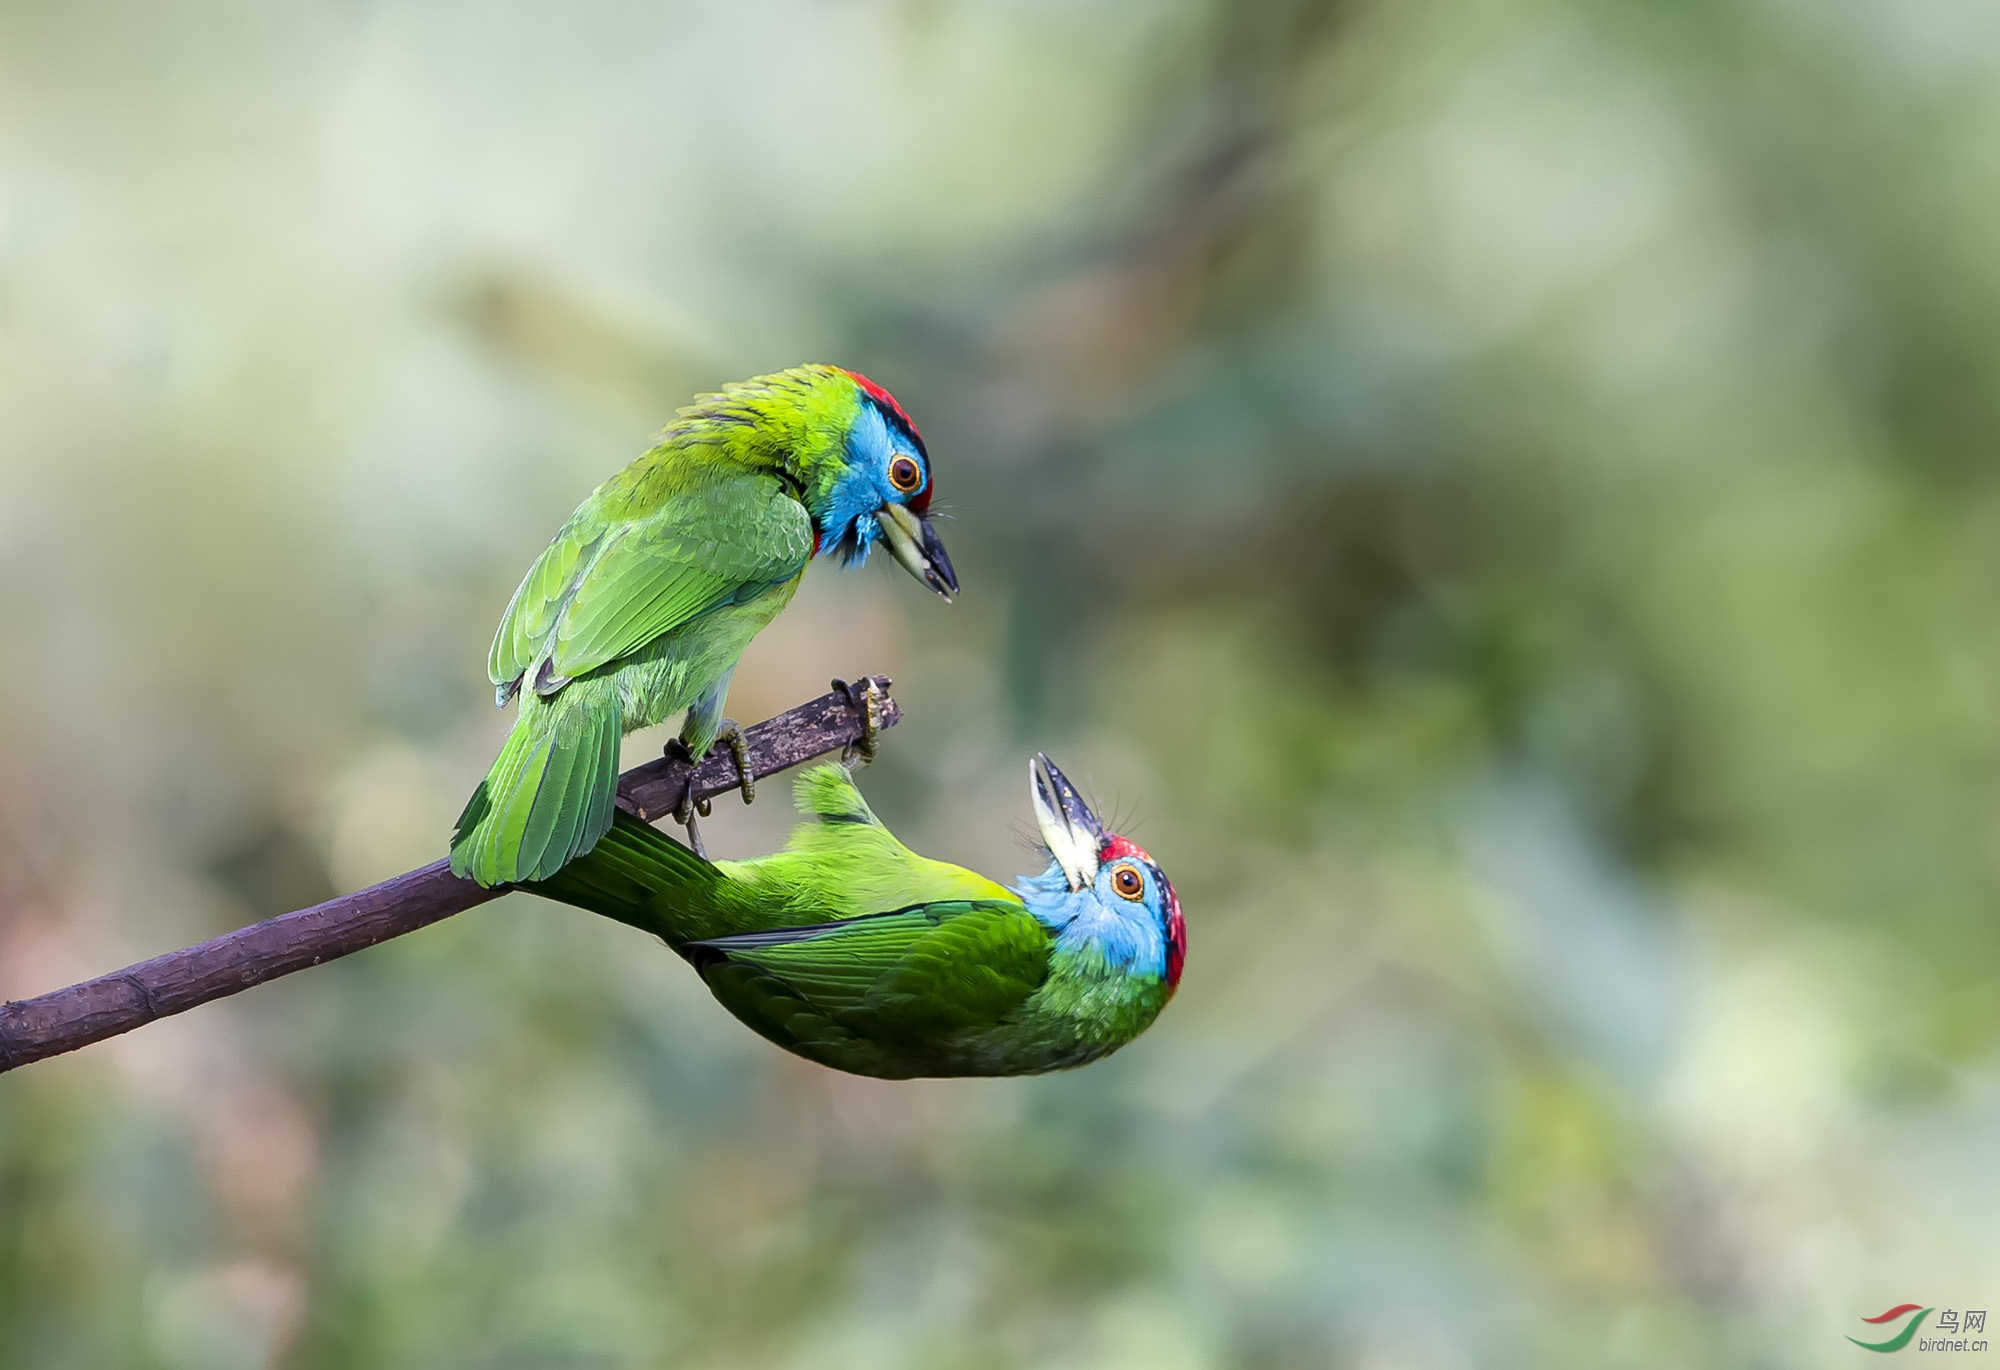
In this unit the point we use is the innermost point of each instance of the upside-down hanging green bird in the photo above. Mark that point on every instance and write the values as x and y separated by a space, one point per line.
853 951
647 597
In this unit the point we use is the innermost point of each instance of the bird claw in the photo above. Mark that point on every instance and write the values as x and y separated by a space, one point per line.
684 814
866 698
690 803
731 737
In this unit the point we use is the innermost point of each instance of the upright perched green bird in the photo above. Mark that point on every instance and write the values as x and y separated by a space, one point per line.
647 597
853 951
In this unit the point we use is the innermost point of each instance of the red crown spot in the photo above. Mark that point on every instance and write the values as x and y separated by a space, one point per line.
886 400
1116 848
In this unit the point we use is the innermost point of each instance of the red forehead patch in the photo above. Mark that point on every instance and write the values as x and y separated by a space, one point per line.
887 401
1116 848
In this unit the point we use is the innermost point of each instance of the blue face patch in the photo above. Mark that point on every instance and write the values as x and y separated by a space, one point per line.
846 517
1130 934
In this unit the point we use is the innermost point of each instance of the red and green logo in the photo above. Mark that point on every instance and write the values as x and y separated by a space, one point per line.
1902 1338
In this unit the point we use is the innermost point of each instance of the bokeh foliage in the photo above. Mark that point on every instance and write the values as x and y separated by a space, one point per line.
1500 497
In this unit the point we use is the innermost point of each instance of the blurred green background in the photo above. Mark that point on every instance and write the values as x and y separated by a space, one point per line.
1500 498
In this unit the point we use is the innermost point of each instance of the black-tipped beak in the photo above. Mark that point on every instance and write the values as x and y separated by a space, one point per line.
1070 830
942 579
914 544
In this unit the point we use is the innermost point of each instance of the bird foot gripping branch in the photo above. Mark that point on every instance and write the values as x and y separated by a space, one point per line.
731 737
866 695
658 788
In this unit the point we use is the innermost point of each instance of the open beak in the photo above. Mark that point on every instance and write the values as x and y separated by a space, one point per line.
913 543
1069 829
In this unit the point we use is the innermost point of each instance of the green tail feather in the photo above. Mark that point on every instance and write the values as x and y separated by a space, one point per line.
640 876
828 794
549 796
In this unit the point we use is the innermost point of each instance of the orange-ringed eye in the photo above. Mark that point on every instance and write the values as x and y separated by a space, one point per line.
905 474
1127 881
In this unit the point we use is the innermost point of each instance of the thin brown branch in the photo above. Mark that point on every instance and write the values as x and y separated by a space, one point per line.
65 1019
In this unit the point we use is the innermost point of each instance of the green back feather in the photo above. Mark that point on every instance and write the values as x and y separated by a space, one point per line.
843 863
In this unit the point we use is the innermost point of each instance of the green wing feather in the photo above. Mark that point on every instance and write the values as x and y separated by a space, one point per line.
919 975
607 586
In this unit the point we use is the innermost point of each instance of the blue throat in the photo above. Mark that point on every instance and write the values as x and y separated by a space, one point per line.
854 538
847 517
1129 937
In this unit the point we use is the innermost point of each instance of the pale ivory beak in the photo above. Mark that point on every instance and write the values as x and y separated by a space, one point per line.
914 544
1069 829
